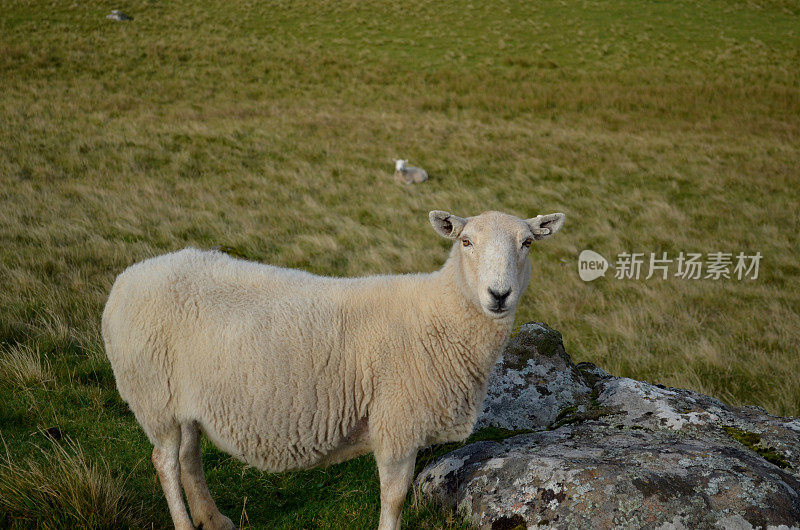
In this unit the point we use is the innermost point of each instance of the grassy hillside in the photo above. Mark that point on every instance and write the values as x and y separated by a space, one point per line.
270 128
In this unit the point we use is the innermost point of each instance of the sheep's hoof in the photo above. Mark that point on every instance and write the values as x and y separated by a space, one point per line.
217 522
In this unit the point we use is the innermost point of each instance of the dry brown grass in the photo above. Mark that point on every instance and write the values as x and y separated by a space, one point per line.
277 140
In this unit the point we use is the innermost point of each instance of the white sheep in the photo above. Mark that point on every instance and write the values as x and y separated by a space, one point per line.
287 370
409 174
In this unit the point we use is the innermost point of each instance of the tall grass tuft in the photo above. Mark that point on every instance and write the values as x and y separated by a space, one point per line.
23 366
68 491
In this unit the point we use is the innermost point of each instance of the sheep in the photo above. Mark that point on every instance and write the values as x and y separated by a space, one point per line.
288 370
116 14
409 174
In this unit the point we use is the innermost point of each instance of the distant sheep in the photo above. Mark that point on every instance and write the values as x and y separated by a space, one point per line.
409 174
287 370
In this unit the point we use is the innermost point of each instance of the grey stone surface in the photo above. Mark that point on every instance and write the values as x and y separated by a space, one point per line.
611 452
533 381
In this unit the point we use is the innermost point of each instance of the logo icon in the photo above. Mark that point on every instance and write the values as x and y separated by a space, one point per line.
591 265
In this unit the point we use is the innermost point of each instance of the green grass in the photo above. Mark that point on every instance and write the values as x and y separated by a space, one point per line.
270 127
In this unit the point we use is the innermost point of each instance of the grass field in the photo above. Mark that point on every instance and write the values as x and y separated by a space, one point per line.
270 128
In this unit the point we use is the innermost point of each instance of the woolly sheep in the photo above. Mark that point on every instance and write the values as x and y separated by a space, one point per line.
409 174
287 370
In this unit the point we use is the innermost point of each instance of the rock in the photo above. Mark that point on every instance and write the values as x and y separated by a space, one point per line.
642 405
597 476
619 453
54 433
533 382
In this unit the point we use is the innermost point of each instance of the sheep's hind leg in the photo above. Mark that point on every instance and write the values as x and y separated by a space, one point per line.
395 475
204 512
165 460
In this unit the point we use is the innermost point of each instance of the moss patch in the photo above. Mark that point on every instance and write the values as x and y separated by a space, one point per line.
570 415
586 371
752 441
566 411
549 343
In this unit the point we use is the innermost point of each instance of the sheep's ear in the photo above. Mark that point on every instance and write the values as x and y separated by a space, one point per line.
446 224
544 226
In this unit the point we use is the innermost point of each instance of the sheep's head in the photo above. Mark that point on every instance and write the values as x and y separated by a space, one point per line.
399 164
491 252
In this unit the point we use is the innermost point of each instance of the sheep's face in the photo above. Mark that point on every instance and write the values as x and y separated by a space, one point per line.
492 250
399 165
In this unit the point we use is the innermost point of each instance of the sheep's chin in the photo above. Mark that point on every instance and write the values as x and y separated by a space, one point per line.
497 315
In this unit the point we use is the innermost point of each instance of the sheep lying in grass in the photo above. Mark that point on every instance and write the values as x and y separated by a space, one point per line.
287 370
409 174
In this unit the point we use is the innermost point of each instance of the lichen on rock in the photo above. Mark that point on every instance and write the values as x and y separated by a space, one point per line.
533 382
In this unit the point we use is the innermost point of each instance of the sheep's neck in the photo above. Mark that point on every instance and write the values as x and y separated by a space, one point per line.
471 339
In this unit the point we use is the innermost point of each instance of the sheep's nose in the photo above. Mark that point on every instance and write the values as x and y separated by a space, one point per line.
499 298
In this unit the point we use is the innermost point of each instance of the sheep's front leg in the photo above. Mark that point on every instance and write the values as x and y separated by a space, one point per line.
395 477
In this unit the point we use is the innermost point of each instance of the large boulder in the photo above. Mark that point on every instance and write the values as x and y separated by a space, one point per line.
611 452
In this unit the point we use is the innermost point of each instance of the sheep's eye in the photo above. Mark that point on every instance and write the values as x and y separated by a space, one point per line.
527 242
466 242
